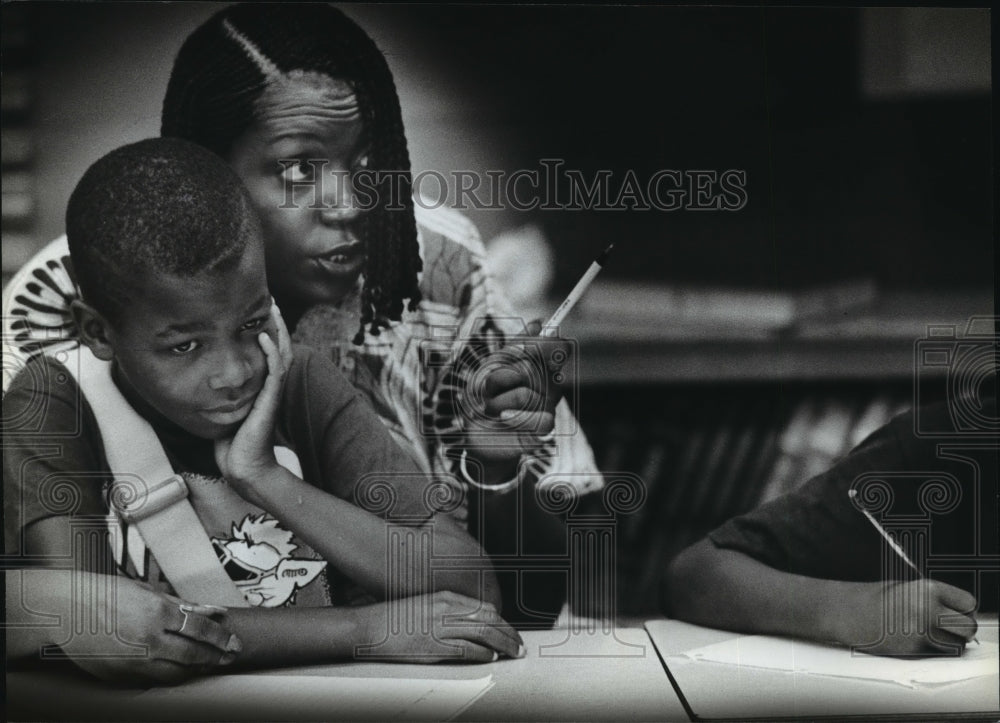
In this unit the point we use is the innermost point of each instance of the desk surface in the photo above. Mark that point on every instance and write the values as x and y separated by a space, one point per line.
716 691
567 675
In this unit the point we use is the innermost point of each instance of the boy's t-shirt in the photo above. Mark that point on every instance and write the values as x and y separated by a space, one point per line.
936 493
54 464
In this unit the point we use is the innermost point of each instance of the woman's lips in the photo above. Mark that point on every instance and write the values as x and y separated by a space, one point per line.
345 258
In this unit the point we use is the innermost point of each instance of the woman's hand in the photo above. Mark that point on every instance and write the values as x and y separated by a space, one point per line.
438 627
248 456
512 400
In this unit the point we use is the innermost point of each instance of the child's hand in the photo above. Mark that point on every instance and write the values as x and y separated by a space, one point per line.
181 641
462 630
281 331
248 456
514 404
923 617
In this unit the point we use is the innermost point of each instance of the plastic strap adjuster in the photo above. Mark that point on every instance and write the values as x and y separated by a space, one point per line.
133 505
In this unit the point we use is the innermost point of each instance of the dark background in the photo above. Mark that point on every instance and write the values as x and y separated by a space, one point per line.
864 133
893 184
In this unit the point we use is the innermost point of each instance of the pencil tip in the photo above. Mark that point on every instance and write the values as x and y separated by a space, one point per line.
603 258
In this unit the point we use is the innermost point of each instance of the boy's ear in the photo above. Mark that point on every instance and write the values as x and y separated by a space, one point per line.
95 331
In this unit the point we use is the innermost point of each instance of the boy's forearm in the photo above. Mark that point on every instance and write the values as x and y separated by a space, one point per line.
348 537
727 589
269 637
479 580
358 544
45 607
28 590
298 635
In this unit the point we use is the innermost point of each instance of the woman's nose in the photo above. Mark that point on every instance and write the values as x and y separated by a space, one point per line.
340 202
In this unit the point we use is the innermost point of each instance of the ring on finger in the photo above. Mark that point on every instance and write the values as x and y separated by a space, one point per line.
185 609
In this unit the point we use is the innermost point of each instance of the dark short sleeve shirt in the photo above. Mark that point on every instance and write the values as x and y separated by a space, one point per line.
935 493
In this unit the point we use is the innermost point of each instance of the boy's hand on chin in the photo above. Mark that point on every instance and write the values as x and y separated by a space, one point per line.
247 457
903 619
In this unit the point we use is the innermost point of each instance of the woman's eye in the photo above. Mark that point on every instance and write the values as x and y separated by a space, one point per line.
253 325
297 171
361 162
185 348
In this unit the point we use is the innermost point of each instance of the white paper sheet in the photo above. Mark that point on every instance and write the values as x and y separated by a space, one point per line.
242 697
797 656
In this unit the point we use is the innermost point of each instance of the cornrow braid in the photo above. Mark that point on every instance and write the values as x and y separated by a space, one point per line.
225 65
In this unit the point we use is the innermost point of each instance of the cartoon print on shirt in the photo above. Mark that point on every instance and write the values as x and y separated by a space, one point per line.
258 558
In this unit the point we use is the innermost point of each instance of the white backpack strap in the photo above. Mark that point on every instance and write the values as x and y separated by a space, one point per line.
148 494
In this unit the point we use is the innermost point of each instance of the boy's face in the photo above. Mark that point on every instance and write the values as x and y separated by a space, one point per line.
188 346
296 161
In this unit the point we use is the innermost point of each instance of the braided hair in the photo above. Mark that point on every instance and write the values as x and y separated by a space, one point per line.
223 68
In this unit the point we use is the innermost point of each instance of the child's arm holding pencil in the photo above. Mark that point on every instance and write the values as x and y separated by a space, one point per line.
728 589
812 564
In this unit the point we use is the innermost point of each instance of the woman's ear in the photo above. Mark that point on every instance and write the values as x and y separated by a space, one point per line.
95 331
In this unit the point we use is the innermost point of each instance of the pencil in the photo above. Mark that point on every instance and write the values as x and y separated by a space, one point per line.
881 530
892 543
551 327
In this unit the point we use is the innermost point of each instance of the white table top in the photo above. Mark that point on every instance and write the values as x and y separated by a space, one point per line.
567 675
719 691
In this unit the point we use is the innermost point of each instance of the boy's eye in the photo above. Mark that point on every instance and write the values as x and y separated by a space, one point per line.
185 348
253 324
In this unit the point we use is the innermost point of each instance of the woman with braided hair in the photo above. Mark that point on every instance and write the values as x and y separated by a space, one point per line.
227 92
301 103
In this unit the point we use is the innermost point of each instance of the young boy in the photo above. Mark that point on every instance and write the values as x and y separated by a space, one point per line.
811 563
169 257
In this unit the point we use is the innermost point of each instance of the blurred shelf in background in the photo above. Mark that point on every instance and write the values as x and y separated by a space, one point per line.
686 336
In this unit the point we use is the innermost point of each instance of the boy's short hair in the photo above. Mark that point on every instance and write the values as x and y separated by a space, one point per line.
161 205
